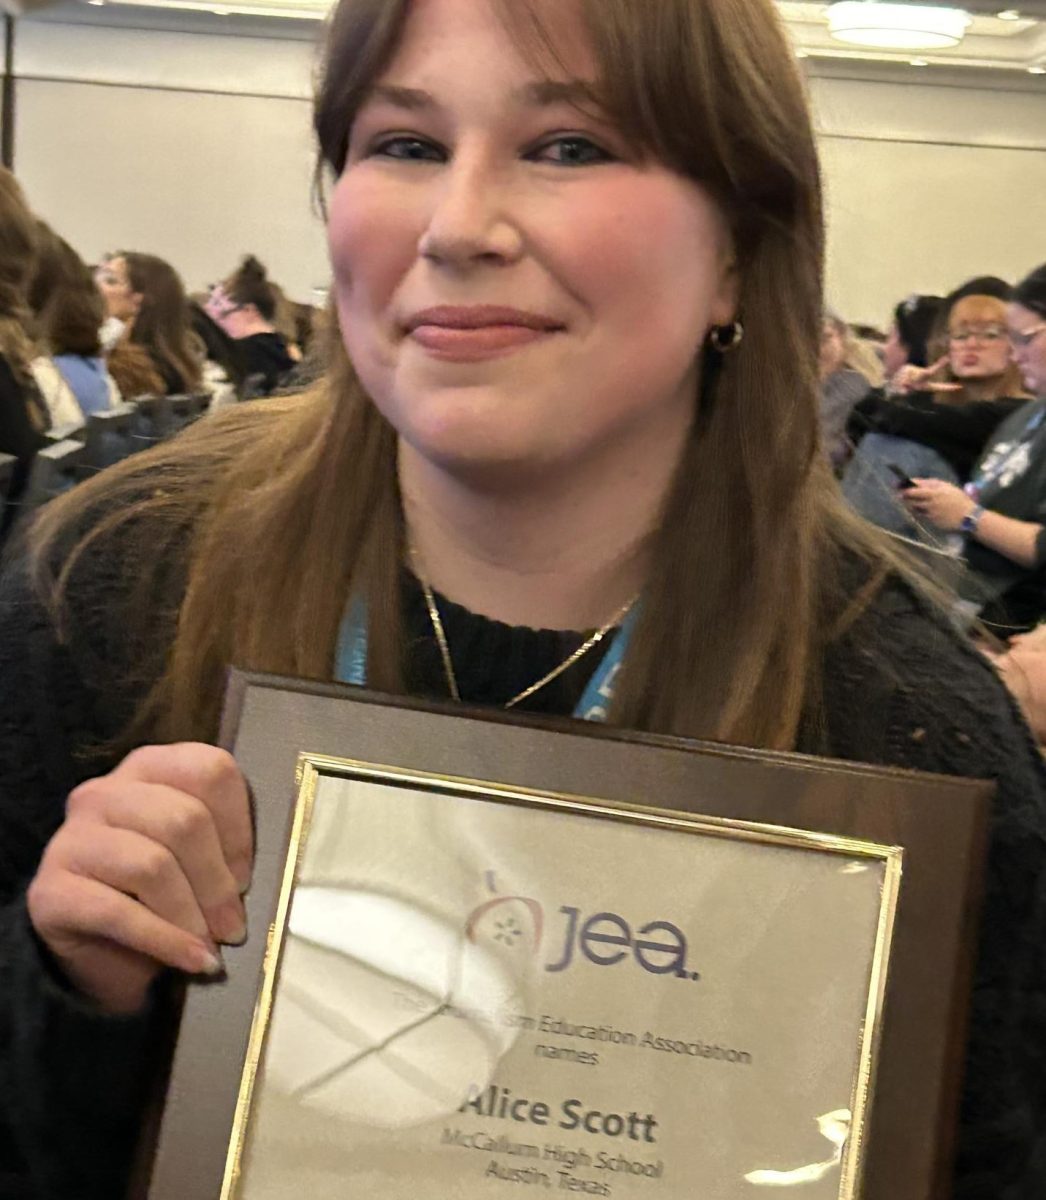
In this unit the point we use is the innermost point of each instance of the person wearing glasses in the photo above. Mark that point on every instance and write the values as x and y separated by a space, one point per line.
933 421
1001 512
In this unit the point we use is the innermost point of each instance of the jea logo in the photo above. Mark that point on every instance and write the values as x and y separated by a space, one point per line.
604 939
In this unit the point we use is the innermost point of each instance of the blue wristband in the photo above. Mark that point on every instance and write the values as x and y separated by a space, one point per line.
972 519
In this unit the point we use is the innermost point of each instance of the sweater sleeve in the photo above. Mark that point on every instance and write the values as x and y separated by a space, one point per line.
969 425
71 1079
947 712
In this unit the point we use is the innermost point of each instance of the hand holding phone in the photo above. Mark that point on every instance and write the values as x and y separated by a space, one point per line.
903 480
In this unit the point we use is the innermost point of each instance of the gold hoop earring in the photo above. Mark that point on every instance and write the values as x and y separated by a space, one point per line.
724 338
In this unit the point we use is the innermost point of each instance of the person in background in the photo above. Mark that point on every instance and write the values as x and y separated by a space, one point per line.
842 386
1001 513
245 307
147 294
939 431
71 371
908 341
965 396
23 416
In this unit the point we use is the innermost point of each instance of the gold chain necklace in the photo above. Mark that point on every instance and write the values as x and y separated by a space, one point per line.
448 665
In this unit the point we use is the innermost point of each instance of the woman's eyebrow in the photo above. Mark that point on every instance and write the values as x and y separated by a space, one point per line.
402 97
542 93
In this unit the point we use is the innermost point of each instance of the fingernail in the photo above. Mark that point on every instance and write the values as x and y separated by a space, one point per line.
241 872
206 961
228 923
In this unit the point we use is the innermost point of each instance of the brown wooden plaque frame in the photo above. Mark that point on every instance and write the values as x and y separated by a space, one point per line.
941 824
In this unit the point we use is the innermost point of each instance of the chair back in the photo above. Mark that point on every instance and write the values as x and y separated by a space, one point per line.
153 420
52 473
109 438
186 409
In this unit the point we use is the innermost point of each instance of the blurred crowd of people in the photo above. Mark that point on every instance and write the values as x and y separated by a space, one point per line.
937 430
77 339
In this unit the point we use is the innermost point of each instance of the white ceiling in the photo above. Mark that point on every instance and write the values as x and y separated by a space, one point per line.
992 44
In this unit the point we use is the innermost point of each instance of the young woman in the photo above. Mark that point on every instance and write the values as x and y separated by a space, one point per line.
147 294
245 308
69 310
938 432
542 406
1002 509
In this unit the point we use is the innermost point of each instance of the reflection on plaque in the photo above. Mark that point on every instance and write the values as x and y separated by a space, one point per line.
479 992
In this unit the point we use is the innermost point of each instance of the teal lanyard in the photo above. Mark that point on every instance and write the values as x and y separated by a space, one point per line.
594 705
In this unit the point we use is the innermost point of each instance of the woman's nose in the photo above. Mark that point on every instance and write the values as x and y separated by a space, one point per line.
472 218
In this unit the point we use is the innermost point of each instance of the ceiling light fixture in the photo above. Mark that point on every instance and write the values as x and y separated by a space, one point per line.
918 62
896 26
1037 70
1008 14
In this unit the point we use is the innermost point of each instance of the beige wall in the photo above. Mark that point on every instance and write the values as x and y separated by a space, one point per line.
928 184
198 146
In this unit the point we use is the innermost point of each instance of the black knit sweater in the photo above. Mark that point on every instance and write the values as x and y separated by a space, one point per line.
900 690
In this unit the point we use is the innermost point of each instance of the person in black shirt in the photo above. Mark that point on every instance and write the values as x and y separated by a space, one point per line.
244 307
1002 510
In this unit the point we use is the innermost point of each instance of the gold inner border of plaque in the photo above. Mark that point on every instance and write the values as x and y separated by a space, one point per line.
311 767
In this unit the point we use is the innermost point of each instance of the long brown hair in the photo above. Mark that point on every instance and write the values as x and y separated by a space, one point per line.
294 505
162 325
17 258
64 298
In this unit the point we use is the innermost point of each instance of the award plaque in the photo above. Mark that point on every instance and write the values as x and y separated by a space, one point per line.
492 958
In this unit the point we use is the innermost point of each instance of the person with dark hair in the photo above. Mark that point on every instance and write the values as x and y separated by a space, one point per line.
244 307
573 391
1027 323
939 430
907 344
23 416
147 294
72 374
1001 513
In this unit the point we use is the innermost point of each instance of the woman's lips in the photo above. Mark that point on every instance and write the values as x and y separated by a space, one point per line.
474 345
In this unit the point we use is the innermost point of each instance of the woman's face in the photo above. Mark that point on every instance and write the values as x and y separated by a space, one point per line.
1028 338
895 352
978 347
512 284
121 300
832 349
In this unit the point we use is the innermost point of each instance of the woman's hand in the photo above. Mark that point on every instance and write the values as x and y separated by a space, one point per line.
942 503
922 379
146 872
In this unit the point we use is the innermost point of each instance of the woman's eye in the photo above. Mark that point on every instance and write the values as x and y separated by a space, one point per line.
572 151
409 149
